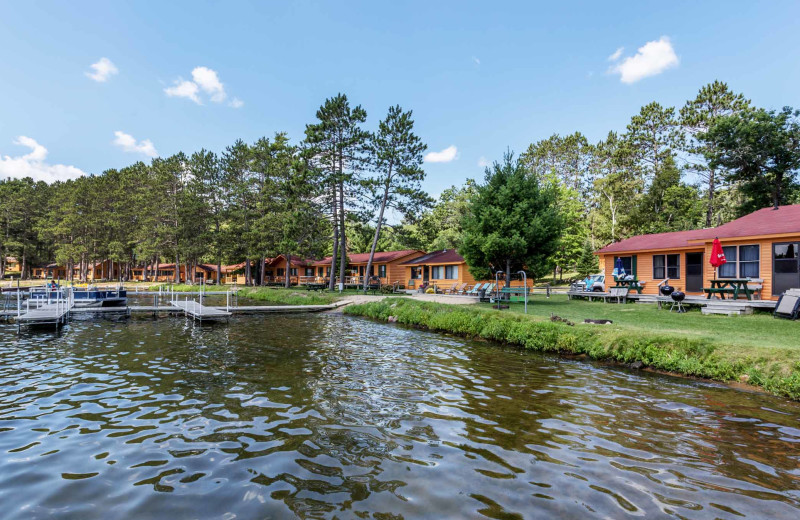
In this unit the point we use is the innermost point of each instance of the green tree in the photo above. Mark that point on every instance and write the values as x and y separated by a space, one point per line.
761 149
697 116
336 143
396 157
587 261
513 224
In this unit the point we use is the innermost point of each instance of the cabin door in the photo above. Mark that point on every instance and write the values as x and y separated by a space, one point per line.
426 273
694 272
785 267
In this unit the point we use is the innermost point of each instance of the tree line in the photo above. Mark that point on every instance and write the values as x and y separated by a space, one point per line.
344 188
248 203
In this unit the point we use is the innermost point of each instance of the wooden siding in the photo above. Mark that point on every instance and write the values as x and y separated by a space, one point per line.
644 263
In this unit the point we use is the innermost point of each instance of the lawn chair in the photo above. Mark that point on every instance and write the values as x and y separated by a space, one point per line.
450 289
487 292
788 305
458 289
476 290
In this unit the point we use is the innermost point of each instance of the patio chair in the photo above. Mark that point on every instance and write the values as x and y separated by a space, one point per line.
487 290
458 288
476 289
788 305
450 289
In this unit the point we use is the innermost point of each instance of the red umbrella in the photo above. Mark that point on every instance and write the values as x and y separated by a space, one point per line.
717 255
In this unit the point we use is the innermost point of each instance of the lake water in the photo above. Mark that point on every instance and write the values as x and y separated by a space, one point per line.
328 416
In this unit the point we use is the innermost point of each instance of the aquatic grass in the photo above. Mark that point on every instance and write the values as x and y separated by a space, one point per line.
776 369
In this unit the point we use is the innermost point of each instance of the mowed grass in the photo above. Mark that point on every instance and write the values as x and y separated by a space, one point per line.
759 330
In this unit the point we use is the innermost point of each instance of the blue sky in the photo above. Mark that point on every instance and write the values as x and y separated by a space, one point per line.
480 76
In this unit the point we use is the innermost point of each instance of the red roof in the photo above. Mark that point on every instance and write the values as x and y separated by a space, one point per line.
381 257
446 256
765 221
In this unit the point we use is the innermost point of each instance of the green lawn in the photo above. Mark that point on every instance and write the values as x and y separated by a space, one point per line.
757 330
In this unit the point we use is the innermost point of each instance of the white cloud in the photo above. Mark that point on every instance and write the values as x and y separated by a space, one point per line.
650 59
448 154
208 80
33 164
103 70
205 81
616 55
184 89
128 144
483 162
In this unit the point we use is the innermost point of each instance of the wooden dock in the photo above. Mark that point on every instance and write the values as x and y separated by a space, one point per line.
200 312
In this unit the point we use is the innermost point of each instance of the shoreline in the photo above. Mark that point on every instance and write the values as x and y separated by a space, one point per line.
658 353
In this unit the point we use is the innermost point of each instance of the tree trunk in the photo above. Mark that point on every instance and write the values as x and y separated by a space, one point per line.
776 193
711 188
377 234
176 277
287 280
342 236
263 271
508 273
335 219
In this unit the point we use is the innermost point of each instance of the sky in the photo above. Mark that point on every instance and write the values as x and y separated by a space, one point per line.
87 86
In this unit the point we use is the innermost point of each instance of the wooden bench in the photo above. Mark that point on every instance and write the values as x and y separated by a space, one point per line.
635 284
719 290
620 293
755 286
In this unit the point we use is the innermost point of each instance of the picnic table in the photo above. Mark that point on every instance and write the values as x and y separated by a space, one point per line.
515 293
732 286
316 286
633 283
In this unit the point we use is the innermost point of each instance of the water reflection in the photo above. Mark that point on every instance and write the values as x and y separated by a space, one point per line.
328 416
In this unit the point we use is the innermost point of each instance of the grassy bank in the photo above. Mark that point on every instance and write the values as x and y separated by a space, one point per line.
288 296
774 368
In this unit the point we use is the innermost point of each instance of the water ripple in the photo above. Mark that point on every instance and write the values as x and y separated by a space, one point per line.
336 417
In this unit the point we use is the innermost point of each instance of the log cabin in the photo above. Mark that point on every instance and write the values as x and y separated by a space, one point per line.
388 266
762 246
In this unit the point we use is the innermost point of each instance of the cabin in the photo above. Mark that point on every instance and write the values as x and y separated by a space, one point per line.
386 265
440 268
762 246
301 271
13 266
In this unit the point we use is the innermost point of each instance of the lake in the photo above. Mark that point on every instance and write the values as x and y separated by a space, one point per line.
330 416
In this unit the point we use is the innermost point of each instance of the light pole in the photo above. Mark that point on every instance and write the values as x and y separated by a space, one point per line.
525 291
497 287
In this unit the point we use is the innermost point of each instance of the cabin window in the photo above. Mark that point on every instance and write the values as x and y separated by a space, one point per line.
437 272
451 272
309 271
742 262
627 264
281 271
666 266
416 273
293 271
749 257
320 271
382 271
